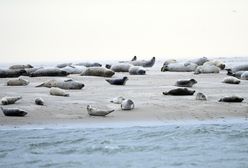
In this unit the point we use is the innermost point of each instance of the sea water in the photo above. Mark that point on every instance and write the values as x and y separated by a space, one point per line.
197 145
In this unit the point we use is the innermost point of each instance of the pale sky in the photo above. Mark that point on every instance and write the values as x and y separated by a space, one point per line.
68 30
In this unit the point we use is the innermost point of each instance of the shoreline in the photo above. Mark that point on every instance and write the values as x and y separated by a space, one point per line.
122 124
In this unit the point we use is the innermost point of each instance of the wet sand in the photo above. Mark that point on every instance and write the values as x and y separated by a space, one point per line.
144 90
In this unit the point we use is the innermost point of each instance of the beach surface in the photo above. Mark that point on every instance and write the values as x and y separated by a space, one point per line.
145 90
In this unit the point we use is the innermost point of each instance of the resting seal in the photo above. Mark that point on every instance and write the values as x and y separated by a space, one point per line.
207 69
89 64
231 99
231 80
39 101
63 65
144 63
127 104
186 83
74 69
98 112
242 67
48 72
137 70
118 81
179 67
98 71
120 67
179 92
200 96
62 84
169 61
11 73
58 92
10 100
217 63
198 61
244 75
13 112
20 66
117 100
17 82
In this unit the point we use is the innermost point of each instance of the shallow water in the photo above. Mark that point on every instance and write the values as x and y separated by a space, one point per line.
199 145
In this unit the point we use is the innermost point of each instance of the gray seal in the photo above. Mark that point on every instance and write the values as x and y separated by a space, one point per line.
14 112
62 84
244 75
200 96
179 67
20 66
144 63
186 83
39 101
17 82
89 64
127 104
10 100
117 81
11 73
179 92
207 69
98 71
120 67
63 65
48 72
231 80
93 111
58 92
230 99
137 70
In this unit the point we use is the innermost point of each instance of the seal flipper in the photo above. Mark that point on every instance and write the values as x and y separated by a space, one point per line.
165 93
41 85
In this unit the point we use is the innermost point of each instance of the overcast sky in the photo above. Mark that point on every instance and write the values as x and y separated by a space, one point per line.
61 30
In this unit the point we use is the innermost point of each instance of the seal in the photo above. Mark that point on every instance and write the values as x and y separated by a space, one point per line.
179 67
20 66
236 74
89 64
39 101
244 75
11 73
30 70
179 92
93 111
127 104
17 82
169 61
137 70
207 69
117 100
62 84
120 67
74 69
242 67
58 92
231 99
63 65
48 72
133 59
14 112
144 63
200 96
117 81
10 100
217 63
198 61
98 71
186 83
231 80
